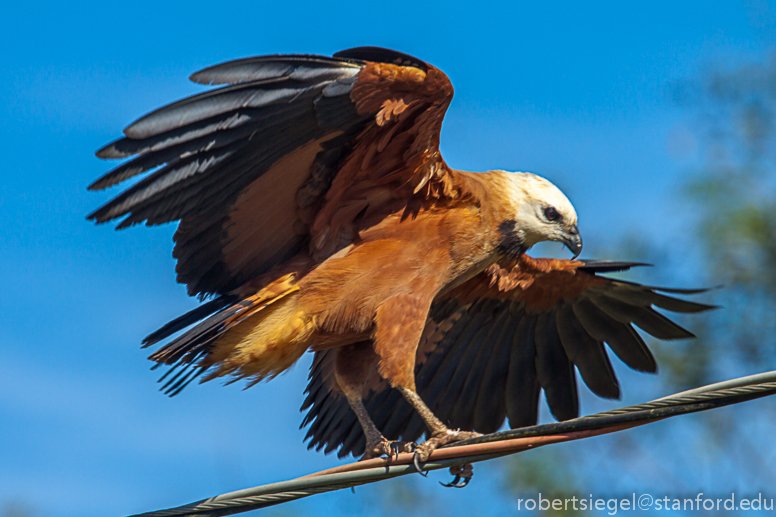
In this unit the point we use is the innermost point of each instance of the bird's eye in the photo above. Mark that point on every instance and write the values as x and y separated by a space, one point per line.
551 214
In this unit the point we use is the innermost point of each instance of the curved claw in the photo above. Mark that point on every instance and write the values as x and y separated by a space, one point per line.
463 474
452 483
394 451
416 462
455 482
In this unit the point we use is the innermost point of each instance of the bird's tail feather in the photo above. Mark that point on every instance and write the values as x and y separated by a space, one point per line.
257 337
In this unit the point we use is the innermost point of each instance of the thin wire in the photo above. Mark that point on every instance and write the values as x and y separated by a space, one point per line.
699 399
481 448
759 378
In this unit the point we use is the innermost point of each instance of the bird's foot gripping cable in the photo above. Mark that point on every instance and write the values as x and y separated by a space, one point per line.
438 439
388 448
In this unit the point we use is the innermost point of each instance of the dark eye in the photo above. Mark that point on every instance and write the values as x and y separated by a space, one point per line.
551 214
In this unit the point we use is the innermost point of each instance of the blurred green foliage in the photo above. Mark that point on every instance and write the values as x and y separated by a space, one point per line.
735 194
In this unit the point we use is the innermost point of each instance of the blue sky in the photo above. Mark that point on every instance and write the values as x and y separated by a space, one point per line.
577 92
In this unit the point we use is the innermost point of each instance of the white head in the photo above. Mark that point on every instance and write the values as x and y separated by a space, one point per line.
543 212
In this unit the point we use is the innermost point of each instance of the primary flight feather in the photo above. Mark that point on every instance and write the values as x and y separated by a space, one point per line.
316 210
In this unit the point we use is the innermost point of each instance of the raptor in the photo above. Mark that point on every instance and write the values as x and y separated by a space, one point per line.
317 214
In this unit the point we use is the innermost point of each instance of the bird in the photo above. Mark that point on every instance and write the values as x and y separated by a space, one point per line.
316 213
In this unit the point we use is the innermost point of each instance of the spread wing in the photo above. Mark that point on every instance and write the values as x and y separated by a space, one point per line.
295 154
492 344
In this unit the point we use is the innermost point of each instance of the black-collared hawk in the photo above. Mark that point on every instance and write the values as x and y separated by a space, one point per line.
317 214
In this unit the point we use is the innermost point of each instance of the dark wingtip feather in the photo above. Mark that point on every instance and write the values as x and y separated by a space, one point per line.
261 68
97 216
241 70
97 185
382 55
109 152
683 306
117 175
609 266
685 291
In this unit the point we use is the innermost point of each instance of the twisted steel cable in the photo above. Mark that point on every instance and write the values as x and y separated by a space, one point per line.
482 448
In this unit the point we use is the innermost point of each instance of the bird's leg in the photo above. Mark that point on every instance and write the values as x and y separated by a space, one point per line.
440 435
399 325
354 364
376 444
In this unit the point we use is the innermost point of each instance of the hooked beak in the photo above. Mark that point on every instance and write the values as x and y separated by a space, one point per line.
573 241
